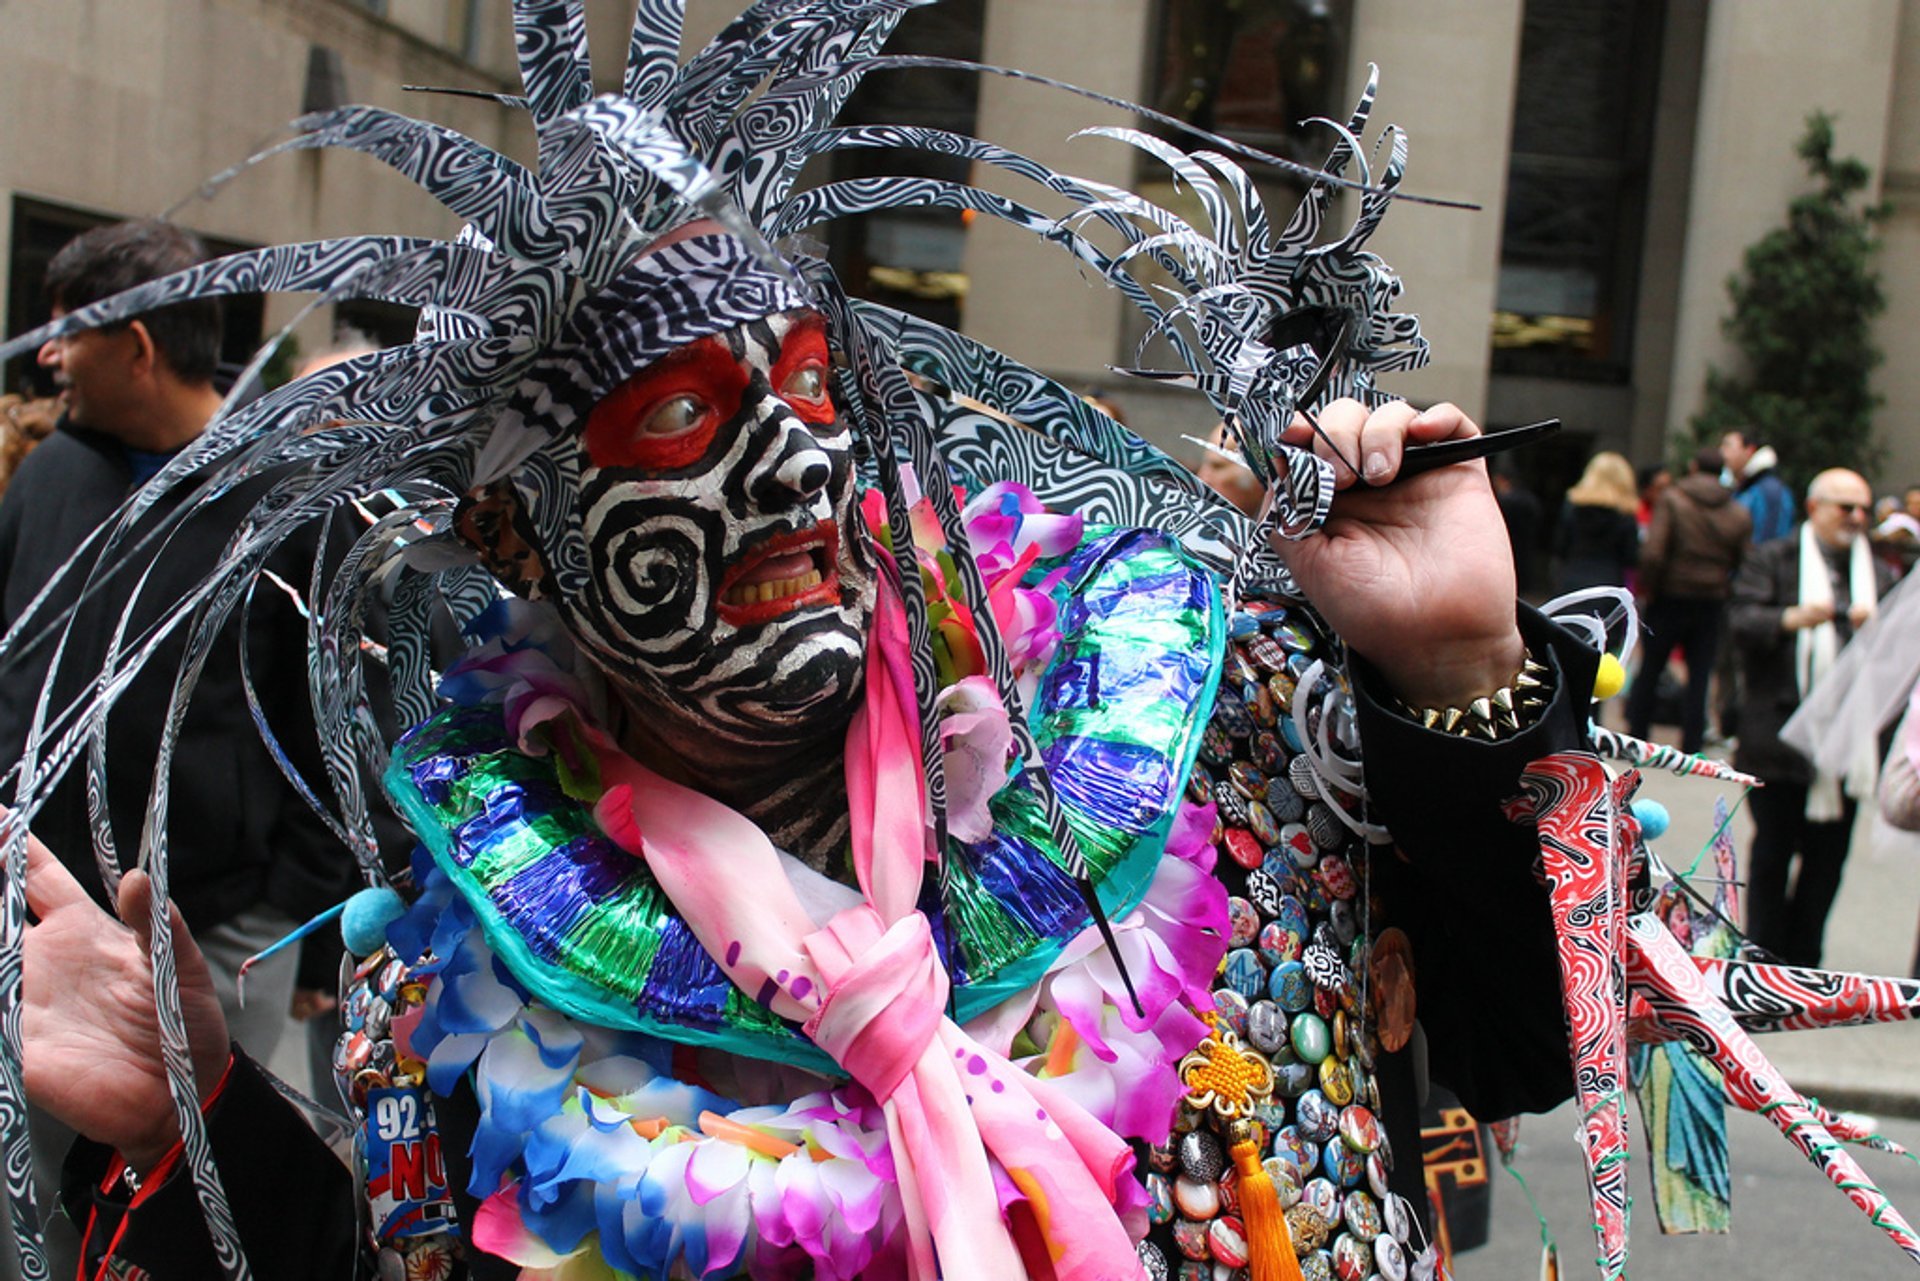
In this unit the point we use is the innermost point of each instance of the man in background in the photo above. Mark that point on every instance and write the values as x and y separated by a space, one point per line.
1751 468
1796 602
253 859
1750 471
1694 544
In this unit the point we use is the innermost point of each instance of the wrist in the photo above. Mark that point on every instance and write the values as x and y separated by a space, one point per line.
155 1155
1501 712
1456 675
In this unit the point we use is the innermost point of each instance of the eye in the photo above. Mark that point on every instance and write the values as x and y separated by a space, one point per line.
807 383
672 417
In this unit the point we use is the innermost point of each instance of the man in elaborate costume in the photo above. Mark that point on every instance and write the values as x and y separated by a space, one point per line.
729 602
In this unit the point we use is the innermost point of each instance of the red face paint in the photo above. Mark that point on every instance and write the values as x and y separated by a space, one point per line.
663 418
803 374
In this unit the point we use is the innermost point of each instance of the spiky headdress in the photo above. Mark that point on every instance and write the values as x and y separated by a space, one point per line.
723 136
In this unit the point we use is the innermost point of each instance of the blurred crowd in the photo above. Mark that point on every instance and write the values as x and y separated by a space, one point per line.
1777 625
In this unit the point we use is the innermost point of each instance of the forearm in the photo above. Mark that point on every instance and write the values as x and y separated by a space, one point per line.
1463 884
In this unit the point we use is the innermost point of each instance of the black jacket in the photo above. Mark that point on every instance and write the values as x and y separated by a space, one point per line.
1768 583
1487 980
1596 546
240 835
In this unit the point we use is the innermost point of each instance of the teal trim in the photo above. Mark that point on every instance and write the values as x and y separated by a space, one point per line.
567 992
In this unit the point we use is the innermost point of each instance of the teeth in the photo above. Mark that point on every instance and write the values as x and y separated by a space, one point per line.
772 590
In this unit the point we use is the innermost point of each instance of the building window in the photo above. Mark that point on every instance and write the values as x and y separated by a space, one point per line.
1577 188
910 259
1254 70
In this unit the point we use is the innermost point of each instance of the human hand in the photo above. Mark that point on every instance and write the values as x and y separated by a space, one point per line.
1858 613
1797 618
90 1035
311 1003
1418 578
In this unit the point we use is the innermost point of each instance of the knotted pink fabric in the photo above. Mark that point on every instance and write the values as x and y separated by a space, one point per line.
871 991
885 993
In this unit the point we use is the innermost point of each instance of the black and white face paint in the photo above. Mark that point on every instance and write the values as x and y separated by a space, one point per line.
727 580
691 508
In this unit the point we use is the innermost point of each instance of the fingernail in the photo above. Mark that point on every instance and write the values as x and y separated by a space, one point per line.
1377 465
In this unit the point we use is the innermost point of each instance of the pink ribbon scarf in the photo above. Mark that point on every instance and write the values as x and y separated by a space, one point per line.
870 990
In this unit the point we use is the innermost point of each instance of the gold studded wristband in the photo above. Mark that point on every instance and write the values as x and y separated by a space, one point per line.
1499 715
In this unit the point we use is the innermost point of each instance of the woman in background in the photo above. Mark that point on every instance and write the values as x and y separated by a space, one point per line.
1598 539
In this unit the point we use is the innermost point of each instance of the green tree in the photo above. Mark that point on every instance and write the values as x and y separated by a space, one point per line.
1803 306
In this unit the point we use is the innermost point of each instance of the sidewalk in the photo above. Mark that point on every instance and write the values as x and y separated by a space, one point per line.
1872 1069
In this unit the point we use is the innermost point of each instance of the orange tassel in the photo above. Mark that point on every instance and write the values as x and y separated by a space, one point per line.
1270 1253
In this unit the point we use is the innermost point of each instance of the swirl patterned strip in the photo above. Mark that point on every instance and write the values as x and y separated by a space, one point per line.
275 269
1573 805
550 37
1784 998
982 449
15 1140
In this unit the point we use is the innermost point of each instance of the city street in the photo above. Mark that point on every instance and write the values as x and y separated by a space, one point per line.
1788 1221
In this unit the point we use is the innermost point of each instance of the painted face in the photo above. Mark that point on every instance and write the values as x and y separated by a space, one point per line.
726 572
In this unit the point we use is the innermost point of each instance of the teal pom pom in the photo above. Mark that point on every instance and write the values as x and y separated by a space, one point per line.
363 925
1653 818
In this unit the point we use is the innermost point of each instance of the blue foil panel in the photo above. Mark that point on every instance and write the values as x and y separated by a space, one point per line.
546 898
1090 678
685 985
604 868
1029 886
506 810
1115 784
544 902
436 776
1073 681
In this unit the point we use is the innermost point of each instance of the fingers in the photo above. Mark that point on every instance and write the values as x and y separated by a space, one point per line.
1382 437
1369 445
1444 421
1337 438
50 886
136 910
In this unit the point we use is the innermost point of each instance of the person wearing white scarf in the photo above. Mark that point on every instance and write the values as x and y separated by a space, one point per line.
1796 603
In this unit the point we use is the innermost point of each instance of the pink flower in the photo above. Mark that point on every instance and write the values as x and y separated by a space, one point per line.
1125 1068
1026 616
1009 513
978 739
1191 839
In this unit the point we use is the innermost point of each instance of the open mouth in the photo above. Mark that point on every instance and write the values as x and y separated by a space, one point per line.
784 573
